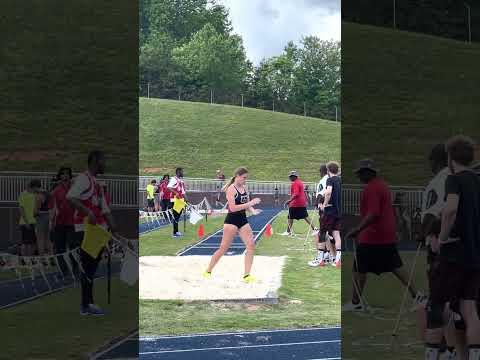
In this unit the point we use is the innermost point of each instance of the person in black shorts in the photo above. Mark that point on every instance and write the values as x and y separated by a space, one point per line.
375 238
331 208
236 222
432 206
297 204
456 276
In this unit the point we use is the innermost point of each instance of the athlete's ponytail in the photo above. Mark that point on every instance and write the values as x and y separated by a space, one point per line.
238 172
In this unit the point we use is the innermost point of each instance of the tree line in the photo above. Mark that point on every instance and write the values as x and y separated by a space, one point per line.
189 51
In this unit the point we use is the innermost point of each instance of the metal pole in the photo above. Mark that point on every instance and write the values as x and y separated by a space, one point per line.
242 100
148 90
211 96
394 14
336 113
469 23
304 109
273 105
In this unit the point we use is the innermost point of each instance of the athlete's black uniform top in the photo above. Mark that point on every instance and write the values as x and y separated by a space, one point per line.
238 218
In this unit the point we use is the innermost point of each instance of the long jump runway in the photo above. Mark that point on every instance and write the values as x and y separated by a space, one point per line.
298 344
212 242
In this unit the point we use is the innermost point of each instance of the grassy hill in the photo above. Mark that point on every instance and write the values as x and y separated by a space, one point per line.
69 85
203 137
402 93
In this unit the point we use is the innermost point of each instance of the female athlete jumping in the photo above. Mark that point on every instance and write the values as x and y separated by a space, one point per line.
236 222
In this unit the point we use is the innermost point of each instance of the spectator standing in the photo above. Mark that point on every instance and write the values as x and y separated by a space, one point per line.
165 194
177 186
151 195
28 206
220 180
61 219
42 227
276 196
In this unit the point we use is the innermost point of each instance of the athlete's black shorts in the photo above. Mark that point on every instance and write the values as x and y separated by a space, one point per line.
330 223
28 234
239 219
377 259
451 281
151 203
297 213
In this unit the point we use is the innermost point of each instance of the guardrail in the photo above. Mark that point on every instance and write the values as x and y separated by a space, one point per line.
123 190
212 185
127 191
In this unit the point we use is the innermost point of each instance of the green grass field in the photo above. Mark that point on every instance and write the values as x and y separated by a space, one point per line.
402 93
52 327
205 137
308 296
368 336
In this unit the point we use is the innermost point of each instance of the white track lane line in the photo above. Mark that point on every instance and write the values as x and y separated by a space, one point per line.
239 347
240 333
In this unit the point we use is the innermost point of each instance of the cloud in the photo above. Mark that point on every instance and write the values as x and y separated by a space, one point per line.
266 26
267 11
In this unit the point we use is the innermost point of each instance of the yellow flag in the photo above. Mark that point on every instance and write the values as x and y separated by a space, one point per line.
94 239
178 204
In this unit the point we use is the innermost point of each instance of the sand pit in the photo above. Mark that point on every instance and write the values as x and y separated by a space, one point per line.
180 278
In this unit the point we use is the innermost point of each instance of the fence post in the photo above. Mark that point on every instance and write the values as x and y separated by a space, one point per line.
242 100
148 90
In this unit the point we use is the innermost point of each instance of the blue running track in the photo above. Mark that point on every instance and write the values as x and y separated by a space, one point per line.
298 344
212 242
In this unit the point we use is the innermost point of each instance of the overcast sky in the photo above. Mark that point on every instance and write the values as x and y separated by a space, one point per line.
267 25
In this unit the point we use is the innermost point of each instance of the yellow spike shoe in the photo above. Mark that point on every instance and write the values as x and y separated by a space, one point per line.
249 279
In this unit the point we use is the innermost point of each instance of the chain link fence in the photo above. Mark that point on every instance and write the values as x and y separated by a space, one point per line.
273 103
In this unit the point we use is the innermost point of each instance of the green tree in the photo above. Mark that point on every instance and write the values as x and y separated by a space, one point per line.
213 59
318 75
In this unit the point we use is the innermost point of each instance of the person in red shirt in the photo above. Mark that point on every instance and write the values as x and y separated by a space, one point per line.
376 251
165 193
297 204
61 218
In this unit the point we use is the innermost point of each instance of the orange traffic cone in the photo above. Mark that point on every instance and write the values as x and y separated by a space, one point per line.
268 230
201 231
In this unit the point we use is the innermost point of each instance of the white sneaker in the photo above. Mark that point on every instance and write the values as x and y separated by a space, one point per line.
285 233
351 307
315 232
316 262
450 355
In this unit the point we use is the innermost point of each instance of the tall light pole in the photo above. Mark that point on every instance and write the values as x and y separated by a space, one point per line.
469 22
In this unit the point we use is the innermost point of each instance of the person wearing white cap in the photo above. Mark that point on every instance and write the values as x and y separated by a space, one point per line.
297 204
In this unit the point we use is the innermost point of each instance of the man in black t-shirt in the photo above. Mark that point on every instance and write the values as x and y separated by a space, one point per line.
331 208
458 248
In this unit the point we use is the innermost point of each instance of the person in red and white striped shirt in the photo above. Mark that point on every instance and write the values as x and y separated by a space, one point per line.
177 186
87 197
